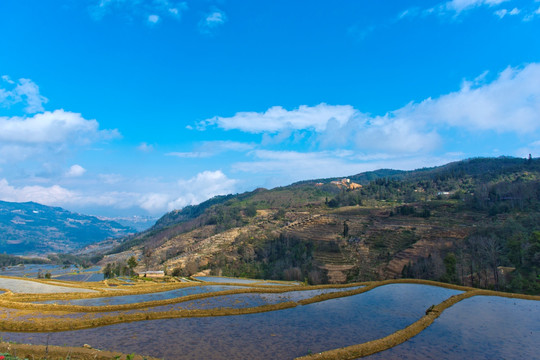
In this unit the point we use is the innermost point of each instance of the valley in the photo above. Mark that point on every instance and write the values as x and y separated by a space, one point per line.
299 272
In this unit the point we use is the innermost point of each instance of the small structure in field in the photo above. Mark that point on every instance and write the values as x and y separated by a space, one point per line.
152 274
347 184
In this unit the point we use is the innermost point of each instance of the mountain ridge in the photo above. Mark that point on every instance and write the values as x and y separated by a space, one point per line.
408 223
31 228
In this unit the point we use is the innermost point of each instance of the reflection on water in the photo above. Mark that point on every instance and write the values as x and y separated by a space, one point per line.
59 272
238 301
131 299
481 327
282 334
84 277
219 279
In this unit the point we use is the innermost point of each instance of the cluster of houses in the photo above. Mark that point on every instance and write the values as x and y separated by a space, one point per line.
343 184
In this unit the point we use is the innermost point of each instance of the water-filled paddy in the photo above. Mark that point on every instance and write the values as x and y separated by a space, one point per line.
222 279
131 299
280 334
32 270
59 272
84 277
219 279
239 301
481 327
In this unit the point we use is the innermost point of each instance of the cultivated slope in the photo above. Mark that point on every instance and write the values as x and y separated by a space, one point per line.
326 232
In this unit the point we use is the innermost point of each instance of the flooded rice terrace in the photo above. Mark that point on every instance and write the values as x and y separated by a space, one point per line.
246 321
481 327
70 272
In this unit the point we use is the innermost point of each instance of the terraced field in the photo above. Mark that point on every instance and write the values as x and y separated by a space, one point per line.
244 319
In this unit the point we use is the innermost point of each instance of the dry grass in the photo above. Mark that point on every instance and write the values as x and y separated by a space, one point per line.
51 352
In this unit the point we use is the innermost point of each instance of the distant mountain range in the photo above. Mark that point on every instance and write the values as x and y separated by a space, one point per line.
139 223
34 229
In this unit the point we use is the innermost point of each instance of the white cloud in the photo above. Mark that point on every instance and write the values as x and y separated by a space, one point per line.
290 166
26 92
211 148
110 178
52 195
461 5
190 155
154 203
171 196
510 103
58 126
153 19
7 79
44 134
334 125
205 185
532 15
75 171
219 146
501 13
57 195
212 20
277 119
144 147
395 135
151 11
454 8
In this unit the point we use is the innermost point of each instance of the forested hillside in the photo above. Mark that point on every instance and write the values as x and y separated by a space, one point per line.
473 222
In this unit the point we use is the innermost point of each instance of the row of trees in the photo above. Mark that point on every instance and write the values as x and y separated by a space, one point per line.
279 258
503 257
120 268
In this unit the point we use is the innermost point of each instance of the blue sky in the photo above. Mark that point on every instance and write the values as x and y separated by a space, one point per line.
124 107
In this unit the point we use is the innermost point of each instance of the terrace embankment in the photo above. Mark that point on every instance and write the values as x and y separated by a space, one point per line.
43 318
49 352
400 336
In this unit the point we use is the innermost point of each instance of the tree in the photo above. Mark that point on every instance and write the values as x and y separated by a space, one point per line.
147 257
450 267
108 271
250 210
132 264
490 248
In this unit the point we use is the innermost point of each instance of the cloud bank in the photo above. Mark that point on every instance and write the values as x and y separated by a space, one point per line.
509 103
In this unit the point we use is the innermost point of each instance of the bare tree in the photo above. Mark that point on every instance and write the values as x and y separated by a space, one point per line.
490 248
147 257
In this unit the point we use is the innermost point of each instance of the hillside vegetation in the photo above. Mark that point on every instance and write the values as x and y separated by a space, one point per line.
473 222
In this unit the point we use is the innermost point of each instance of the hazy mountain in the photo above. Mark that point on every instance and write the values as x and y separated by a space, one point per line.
31 228
139 223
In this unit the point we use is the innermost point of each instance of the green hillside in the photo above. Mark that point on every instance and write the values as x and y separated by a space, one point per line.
473 222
